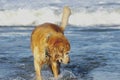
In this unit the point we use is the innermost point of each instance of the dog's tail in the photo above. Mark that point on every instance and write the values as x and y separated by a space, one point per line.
65 17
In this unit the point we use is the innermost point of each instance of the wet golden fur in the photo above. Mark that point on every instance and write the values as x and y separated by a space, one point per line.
49 45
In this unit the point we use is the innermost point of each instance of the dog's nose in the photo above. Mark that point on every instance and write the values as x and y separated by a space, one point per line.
68 61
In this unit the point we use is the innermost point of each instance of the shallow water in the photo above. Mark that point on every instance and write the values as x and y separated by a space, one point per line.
95 54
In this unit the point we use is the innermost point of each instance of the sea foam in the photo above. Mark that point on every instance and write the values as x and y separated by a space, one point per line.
28 17
95 18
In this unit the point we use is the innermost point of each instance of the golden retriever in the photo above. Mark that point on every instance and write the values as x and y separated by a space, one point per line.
49 45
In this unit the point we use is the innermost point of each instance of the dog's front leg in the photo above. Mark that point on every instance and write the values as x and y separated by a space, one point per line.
37 64
55 69
37 70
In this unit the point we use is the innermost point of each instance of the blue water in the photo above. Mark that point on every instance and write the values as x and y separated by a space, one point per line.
93 32
94 54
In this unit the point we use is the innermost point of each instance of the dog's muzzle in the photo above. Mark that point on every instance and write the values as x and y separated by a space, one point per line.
65 59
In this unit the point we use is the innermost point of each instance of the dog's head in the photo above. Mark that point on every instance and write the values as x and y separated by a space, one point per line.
58 48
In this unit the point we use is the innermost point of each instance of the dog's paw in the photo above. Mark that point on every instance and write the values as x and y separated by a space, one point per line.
38 78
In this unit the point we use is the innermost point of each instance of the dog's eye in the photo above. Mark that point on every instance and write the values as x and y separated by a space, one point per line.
67 53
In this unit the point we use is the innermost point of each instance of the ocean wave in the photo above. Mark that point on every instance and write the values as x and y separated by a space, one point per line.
27 17
35 17
95 18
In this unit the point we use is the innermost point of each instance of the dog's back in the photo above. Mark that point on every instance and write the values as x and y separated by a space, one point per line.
41 32
48 28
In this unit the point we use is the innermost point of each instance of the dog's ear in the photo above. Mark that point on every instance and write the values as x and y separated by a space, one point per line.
47 37
46 41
